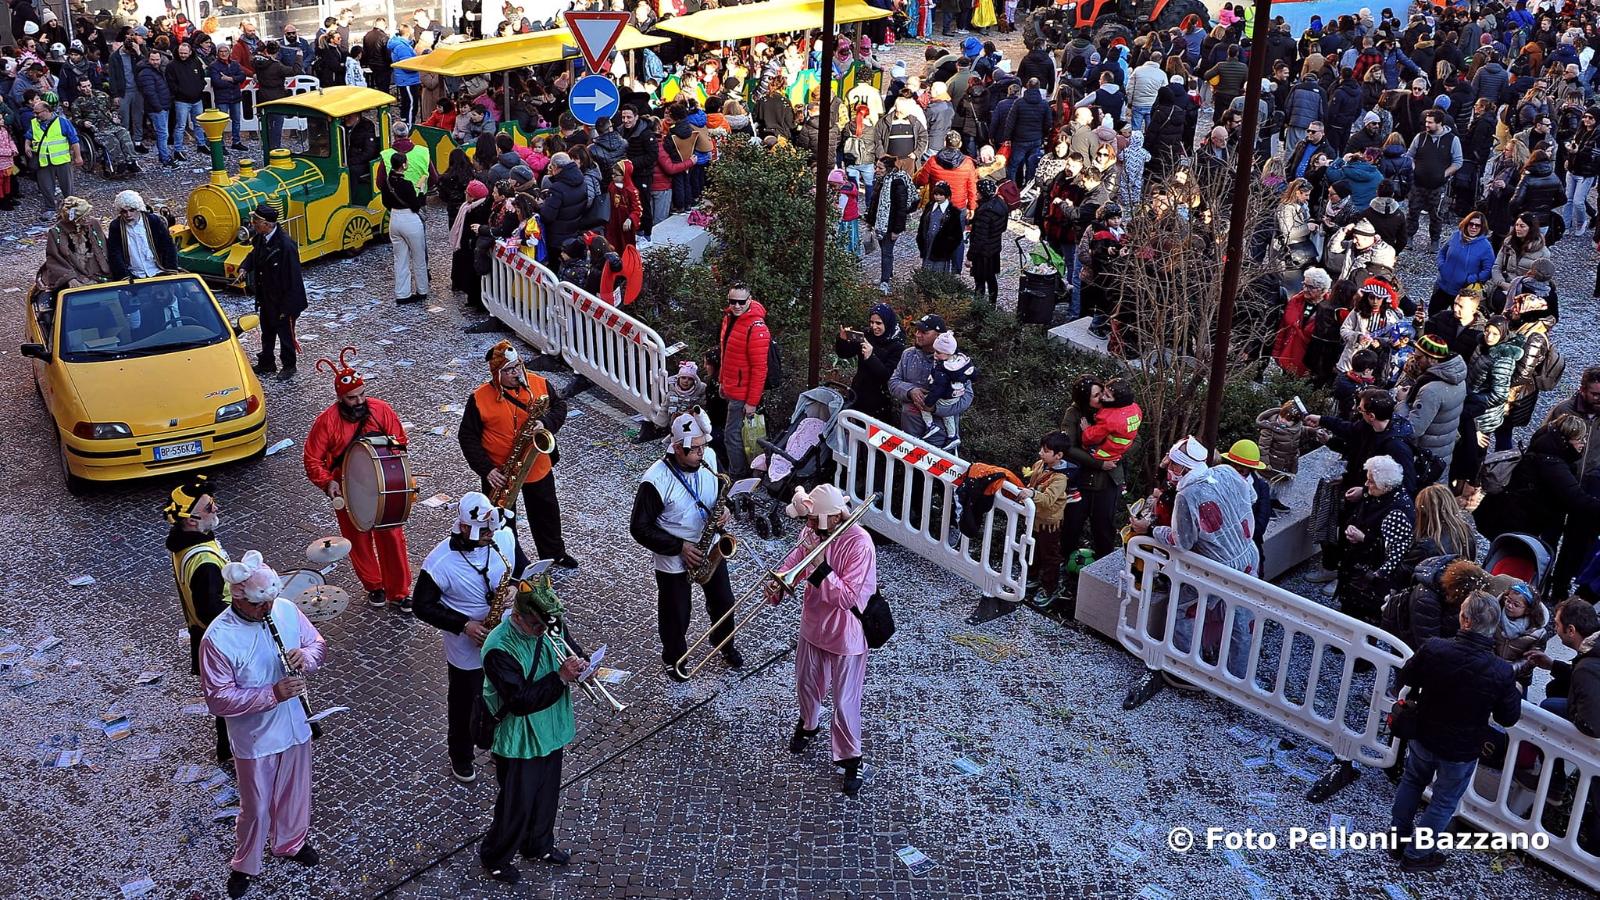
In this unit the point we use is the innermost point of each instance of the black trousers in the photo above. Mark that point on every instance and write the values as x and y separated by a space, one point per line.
464 687
524 810
543 512
277 328
1097 509
674 610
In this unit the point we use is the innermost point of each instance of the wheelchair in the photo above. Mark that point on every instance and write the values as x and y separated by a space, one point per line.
95 157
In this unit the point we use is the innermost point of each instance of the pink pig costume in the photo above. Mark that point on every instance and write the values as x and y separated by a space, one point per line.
239 664
832 650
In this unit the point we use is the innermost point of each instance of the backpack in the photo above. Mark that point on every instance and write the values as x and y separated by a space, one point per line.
1495 473
1427 465
877 621
774 366
1555 230
1397 607
1551 365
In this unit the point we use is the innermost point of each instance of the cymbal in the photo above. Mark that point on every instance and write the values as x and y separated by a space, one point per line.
323 602
326 550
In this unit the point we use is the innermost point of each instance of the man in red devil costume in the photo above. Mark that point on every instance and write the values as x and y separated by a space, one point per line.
379 555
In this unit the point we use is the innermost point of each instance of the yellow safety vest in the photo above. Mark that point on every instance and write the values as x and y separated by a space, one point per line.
51 143
417 161
183 568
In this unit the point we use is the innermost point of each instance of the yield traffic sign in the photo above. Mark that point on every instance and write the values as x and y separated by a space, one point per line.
592 97
595 34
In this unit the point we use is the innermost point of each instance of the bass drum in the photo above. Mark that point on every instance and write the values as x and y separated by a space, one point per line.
377 485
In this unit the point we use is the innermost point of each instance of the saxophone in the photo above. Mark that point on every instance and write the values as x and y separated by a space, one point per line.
504 592
715 544
532 439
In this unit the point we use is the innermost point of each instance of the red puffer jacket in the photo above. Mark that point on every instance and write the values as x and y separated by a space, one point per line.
744 343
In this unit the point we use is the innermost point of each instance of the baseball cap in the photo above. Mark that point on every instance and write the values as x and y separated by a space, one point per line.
930 322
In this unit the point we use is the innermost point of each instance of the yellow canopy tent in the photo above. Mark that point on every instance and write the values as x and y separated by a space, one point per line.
736 23
503 53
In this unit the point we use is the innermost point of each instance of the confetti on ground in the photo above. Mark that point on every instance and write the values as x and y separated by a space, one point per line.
280 446
189 774
436 501
148 678
81 580
1154 892
46 645
117 729
227 812
196 709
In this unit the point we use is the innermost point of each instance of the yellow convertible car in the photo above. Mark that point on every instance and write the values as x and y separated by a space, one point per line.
144 378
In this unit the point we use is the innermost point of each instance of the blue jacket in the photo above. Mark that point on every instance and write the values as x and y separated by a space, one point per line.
1392 63
226 91
1461 683
1304 105
153 87
1464 262
1360 177
399 49
1343 107
1031 119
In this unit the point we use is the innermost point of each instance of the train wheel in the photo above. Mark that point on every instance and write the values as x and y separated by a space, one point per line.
357 234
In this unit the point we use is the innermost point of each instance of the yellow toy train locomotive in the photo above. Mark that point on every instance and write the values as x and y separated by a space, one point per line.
325 207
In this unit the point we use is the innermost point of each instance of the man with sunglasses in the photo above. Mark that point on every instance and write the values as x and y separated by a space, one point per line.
1435 155
675 500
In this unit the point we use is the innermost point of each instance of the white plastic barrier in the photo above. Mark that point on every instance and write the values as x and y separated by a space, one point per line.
1346 715
525 296
616 351
873 456
600 341
1557 751
249 121
1321 701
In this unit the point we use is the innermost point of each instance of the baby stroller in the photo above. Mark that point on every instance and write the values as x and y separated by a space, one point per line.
797 457
1522 556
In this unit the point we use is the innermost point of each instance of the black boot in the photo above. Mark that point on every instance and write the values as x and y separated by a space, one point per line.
1341 772
238 883
851 785
802 737
1140 694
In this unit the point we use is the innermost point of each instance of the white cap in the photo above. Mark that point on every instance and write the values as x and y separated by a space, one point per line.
478 513
945 342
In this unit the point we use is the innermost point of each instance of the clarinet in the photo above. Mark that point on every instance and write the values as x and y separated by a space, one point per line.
283 657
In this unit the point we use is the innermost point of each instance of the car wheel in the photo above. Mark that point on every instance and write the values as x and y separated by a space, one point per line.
76 486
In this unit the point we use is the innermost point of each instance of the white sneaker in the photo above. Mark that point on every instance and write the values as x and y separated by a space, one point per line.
883 288
1330 589
1322 576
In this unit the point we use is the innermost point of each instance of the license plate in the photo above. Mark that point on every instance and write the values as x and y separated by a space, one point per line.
178 451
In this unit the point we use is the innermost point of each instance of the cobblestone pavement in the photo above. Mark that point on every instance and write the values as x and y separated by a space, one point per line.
688 793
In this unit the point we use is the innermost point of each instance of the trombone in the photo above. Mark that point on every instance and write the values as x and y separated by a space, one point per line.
785 579
597 692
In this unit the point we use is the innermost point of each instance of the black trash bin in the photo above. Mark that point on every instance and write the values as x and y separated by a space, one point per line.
1037 295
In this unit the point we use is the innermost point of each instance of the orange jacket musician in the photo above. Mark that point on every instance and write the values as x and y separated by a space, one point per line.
379 555
454 592
496 412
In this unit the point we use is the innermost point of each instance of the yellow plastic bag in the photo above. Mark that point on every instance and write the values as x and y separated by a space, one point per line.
754 431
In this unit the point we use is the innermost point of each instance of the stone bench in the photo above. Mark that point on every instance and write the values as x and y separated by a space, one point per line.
677 230
1288 544
1076 334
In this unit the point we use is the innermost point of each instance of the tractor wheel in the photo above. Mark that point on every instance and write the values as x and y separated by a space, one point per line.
357 234
1048 27
1177 10
1115 32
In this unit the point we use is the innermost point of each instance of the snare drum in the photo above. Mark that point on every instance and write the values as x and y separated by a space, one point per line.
377 485
299 580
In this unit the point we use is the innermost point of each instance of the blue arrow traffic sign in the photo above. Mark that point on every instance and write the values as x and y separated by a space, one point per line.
592 97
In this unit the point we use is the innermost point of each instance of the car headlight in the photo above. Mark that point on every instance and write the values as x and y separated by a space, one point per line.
101 431
238 409
243 237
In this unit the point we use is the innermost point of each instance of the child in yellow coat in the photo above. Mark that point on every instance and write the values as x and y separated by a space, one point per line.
1047 485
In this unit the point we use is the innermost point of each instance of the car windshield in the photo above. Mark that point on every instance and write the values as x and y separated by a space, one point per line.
139 319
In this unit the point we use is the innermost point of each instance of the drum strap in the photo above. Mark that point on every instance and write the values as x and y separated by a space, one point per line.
355 438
